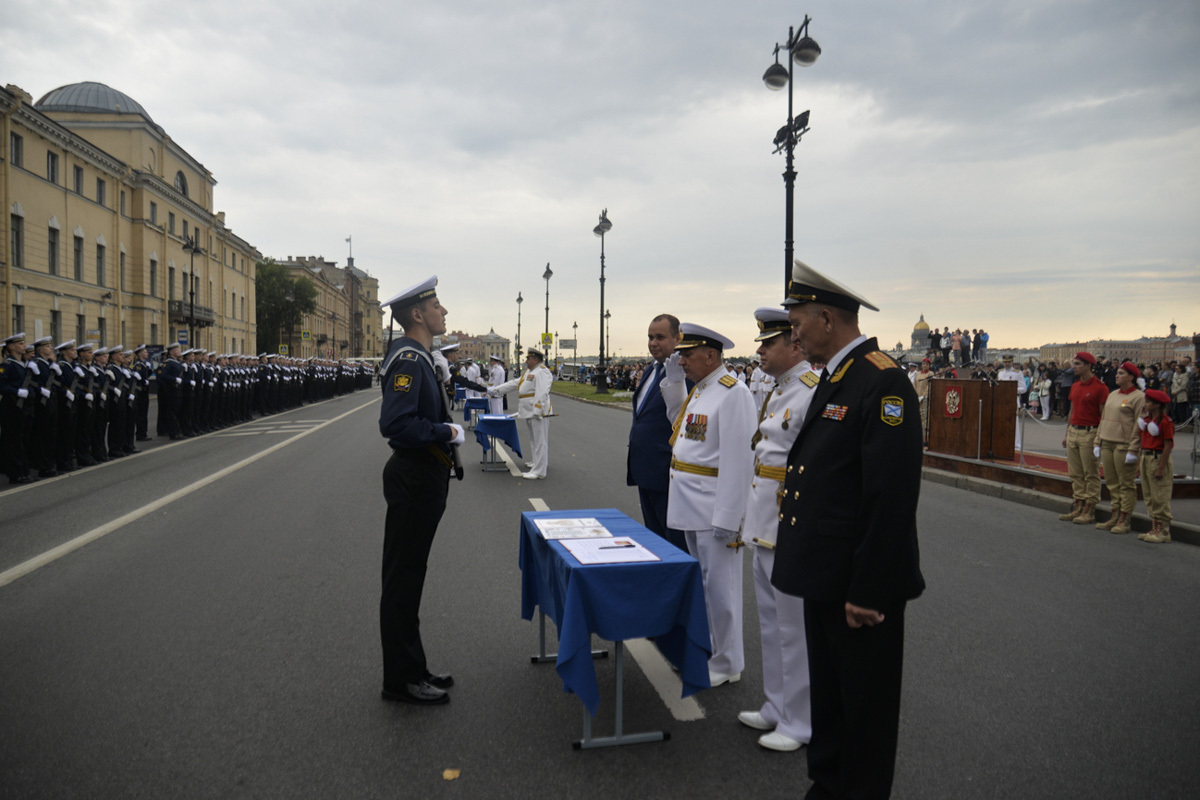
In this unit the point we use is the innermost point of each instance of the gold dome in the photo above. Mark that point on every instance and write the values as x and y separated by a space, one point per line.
922 325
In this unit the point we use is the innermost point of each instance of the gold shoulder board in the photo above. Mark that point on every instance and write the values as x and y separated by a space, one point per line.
810 379
881 360
728 380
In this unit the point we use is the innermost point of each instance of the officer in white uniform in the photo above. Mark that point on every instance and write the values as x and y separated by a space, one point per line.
787 713
711 466
533 394
471 373
1010 374
496 377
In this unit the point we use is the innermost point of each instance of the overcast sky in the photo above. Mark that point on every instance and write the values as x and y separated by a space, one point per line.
1031 168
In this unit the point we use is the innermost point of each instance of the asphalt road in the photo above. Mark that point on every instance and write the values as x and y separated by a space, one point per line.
220 640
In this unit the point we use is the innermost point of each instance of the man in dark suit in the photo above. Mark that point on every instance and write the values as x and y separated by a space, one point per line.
648 464
848 538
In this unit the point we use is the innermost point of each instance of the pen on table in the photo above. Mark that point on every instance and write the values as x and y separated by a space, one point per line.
616 546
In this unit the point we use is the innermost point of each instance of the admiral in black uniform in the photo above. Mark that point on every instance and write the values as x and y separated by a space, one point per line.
415 420
848 538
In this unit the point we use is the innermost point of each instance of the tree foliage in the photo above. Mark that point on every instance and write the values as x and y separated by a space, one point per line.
281 301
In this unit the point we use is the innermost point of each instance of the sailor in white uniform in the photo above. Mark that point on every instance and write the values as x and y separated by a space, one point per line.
496 377
1011 374
711 466
786 715
533 395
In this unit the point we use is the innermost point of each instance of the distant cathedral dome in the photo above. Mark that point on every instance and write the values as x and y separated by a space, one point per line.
921 325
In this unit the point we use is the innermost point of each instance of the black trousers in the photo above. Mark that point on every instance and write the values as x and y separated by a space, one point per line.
855 674
143 412
415 484
654 517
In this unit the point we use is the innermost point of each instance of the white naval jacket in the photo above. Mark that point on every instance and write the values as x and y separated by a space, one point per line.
713 436
533 392
780 424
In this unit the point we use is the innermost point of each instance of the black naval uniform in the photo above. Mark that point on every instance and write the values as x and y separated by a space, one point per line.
415 483
16 412
859 456
144 372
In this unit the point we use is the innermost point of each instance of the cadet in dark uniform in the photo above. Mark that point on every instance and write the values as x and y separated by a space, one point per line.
848 538
144 371
69 376
169 379
86 395
415 420
15 382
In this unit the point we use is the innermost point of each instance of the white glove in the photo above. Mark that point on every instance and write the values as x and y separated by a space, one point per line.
178 380
1142 423
117 392
1152 427
32 366
88 397
22 393
57 369
672 371
724 535
1096 451
46 393
460 435
492 393
1131 458
192 383
70 395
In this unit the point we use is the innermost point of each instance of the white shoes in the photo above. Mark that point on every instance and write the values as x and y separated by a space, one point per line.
715 679
778 742
530 476
753 719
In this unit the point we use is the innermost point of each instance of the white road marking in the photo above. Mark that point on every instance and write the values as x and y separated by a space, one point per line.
37 562
654 666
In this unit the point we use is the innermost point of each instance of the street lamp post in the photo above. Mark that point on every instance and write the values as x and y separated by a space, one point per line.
604 227
519 301
193 248
607 330
575 346
803 51
547 275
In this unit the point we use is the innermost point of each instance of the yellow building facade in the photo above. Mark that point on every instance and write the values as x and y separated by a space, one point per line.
101 209
347 322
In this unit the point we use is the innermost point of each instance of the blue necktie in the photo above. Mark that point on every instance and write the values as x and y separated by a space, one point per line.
653 383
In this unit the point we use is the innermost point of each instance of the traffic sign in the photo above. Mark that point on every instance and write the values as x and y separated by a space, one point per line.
283 349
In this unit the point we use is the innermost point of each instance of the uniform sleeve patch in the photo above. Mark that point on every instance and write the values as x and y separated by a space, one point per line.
409 356
892 411
881 360
402 383
728 381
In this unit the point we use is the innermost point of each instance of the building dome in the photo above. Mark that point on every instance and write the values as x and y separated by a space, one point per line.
921 325
90 97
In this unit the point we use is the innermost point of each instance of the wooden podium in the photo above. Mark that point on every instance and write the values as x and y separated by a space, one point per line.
973 418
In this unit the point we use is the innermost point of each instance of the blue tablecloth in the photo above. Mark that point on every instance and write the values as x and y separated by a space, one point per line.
660 600
476 403
460 393
502 427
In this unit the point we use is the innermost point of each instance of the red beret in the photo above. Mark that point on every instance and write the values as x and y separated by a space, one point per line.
1158 396
925 361
1088 357
1131 368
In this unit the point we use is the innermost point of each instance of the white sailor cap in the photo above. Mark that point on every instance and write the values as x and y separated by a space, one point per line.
86 346
810 286
413 294
140 348
16 337
771 322
43 340
173 346
116 348
497 358
692 335
533 351
446 348
102 351
67 345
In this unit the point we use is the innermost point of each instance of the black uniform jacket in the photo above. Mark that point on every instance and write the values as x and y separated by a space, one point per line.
848 517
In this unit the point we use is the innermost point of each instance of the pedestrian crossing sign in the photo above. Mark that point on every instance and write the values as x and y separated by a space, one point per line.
283 349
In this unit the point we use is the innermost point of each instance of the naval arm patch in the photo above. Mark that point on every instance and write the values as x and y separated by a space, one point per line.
728 381
402 383
881 360
892 410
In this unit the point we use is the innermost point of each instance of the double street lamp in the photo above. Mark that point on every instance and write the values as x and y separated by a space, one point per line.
604 227
804 51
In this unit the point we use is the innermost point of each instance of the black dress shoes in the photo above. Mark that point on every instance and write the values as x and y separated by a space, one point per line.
440 681
421 694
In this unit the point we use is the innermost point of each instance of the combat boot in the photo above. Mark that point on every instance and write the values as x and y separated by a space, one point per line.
1076 509
1164 534
1111 522
1087 515
1154 525
1122 525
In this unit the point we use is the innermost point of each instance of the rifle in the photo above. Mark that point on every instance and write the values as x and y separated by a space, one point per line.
52 383
25 385
454 460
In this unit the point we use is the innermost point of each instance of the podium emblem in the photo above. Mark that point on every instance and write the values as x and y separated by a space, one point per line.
953 406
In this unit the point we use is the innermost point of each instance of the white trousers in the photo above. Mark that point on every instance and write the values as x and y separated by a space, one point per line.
496 405
784 654
721 572
539 444
1020 417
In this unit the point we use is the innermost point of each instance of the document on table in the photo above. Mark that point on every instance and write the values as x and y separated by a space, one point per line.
576 528
608 551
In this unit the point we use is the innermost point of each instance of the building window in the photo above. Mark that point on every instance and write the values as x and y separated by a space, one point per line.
17 224
170 283
56 326
18 321
101 191
153 278
52 167
185 229
125 333
181 183
77 173
99 265
102 324
122 272
153 333
243 307
170 222
16 150
210 291
80 328
52 250
79 258
153 212
122 204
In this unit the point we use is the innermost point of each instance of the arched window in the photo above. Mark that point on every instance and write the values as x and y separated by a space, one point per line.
181 183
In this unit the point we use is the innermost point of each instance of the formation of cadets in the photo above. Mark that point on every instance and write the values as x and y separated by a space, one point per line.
75 405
